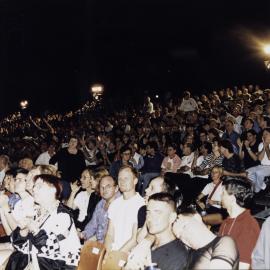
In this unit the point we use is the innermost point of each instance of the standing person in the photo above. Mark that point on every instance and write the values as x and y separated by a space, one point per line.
240 225
122 213
188 103
71 163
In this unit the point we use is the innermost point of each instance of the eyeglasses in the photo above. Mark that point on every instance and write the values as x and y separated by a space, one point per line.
127 153
106 187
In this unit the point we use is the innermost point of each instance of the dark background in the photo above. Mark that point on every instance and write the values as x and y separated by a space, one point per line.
51 51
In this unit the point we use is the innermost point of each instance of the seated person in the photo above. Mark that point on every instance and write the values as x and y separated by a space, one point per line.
208 251
98 225
235 197
51 236
122 213
24 207
160 246
214 213
83 201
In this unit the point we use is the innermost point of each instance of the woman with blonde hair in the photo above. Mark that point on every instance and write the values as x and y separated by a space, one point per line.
213 213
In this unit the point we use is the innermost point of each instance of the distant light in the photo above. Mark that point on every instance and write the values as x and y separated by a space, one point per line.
24 104
267 64
97 89
157 96
267 49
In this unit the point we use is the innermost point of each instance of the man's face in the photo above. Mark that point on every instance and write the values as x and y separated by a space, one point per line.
107 188
126 155
126 180
158 217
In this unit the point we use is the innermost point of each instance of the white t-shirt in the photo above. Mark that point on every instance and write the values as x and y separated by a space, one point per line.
81 202
123 214
43 159
265 160
216 196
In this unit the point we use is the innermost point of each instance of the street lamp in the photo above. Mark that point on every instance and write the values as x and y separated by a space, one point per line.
24 104
97 90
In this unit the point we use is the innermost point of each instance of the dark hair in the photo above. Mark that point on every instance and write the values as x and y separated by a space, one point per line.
124 149
153 145
12 172
252 131
208 147
214 131
241 190
21 170
164 197
227 144
191 146
267 129
267 120
172 145
51 180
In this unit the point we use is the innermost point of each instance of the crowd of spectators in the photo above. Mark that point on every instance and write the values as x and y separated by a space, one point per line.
145 180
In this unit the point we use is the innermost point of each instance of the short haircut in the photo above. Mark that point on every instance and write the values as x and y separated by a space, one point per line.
12 172
114 180
208 147
124 149
267 129
172 145
241 190
132 169
191 146
21 170
153 145
214 131
227 144
164 197
51 180
267 120
252 131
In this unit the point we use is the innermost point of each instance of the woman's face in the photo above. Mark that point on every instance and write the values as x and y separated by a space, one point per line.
215 175
43 192
86 179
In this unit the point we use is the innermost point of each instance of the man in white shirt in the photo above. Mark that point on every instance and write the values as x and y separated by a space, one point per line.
44 158
122 213
258 173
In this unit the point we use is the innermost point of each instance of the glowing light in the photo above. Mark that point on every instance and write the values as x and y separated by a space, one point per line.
266 49
157 96
24 104
97 89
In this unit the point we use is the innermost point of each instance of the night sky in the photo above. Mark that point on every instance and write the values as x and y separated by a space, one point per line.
51 51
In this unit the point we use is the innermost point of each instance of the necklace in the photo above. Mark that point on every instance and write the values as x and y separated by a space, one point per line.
222 234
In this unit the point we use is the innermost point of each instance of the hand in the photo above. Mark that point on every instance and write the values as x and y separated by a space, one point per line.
74 187
3 200
246 143
239 143
139 257
211 202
